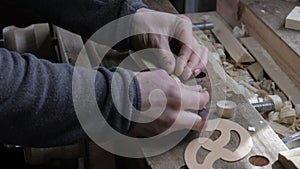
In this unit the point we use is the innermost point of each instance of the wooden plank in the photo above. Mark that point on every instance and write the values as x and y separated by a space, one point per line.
272 69
256 71
280 129
231 16
230 43
264 21
293 19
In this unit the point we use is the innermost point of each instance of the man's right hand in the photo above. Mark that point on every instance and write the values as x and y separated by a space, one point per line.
164 98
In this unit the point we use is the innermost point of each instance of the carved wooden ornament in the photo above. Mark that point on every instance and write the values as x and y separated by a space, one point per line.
216 147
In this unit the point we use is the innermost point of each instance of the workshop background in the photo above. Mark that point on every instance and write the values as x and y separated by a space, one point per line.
191 6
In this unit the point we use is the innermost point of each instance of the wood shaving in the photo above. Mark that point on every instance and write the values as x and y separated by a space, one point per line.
287 113
297 109
274 116
296 125
276 100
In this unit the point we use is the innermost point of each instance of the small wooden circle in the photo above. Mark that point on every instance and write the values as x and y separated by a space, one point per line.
226 108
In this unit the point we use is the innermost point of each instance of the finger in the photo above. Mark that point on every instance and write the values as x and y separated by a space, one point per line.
199 60
166 58
203 59
194 60
203 114
193 100
182 60
180 65
189 120
192 65
196 88
187 72
185 18
196 72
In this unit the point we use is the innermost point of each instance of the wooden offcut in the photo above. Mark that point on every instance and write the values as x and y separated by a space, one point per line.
256 71
293 19
237 52
290 159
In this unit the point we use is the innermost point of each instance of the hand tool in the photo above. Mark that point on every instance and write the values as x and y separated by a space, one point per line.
203 25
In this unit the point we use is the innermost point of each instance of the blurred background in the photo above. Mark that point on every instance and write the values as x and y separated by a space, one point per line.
189 6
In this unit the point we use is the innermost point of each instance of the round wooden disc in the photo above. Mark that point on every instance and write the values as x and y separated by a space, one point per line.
226 108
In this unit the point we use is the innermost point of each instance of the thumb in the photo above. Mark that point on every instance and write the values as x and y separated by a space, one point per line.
166 58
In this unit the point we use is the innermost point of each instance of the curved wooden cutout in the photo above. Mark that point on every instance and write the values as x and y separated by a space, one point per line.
216 148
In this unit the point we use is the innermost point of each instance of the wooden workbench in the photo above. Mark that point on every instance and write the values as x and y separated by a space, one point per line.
266 142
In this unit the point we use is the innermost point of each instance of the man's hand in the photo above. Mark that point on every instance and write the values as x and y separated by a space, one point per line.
166 100
157 30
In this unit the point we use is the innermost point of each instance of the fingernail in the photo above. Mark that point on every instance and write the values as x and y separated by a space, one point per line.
197 72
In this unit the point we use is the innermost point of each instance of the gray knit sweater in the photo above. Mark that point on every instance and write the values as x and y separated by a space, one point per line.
36 105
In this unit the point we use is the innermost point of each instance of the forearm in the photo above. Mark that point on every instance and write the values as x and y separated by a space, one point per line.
36 101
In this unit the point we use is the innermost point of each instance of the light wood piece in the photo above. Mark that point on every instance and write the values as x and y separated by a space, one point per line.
274 116
230 43
293 19
290 159
226 109
276 100
287 113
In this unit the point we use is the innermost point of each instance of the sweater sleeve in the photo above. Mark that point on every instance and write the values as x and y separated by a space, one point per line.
83 17
36 104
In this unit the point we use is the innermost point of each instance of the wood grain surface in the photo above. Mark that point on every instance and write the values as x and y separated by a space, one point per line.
264 21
